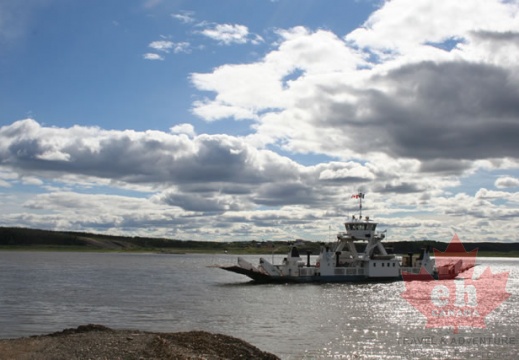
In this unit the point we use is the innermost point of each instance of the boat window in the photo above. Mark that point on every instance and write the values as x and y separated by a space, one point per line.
382 264
388 265
374 264
393 264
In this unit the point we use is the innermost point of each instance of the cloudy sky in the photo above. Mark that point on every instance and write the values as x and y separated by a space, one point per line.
258 119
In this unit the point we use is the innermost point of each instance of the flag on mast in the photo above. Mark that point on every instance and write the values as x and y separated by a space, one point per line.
359 196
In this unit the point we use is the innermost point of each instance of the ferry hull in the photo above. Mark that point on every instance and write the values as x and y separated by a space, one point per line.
267 279
262 278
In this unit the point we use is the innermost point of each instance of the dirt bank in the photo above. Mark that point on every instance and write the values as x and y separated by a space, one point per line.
100 342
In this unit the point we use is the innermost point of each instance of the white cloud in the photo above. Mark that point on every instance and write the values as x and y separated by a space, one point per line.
186 17
491 194
162 45
182 47
6 178
152 56
403 25
444 108
166 46
350 171
31 180
210 110
227 33
187 129
249 89
218 181
507 182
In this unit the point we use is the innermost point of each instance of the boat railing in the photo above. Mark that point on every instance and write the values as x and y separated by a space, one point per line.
348 271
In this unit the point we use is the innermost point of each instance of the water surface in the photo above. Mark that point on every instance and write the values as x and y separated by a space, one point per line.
42 292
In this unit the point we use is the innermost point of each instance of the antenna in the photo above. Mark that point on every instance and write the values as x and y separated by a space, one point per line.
359 196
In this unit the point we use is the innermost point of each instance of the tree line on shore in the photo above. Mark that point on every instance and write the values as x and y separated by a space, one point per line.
12 237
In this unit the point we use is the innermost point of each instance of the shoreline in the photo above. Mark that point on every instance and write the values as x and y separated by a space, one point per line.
95 341
486 254
12 238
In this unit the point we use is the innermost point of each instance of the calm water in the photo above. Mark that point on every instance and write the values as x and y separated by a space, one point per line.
42 292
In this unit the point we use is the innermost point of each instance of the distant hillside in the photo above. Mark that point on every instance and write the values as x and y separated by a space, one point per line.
16 238
485 248
45 239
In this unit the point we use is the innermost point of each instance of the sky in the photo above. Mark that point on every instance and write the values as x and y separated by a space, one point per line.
237 120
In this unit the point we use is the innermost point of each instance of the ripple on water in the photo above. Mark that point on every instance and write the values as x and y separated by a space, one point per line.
46 292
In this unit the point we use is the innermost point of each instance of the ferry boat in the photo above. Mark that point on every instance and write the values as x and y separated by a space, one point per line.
344 261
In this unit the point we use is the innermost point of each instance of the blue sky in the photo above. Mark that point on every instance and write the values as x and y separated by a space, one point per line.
92 55
257 119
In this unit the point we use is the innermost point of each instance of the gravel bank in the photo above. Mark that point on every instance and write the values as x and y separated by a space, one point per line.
100 342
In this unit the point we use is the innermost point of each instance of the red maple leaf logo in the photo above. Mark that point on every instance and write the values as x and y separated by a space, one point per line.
452 298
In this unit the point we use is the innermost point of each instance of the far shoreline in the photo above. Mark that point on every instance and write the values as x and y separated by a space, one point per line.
27 239
79 249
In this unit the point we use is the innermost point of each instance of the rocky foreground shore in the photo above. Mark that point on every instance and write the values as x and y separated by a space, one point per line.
100 342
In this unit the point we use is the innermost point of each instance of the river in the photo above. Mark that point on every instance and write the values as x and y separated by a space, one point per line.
43 292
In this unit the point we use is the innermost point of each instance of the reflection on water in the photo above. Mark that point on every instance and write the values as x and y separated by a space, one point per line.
41 292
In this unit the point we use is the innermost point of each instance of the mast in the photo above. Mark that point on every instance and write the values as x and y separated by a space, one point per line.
359 196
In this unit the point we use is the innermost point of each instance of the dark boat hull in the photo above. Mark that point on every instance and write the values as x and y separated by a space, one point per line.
267 279
261 277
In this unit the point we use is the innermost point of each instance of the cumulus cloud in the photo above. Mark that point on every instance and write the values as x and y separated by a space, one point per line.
162 45
209 164
95 212
506 182
388 32
186 129
443 106
152 56
212 179
246 90
130 156
345 172
182 47
227 34
184 16
452 110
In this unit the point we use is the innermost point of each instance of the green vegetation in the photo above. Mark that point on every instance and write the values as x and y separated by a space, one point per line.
511 254
44 240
